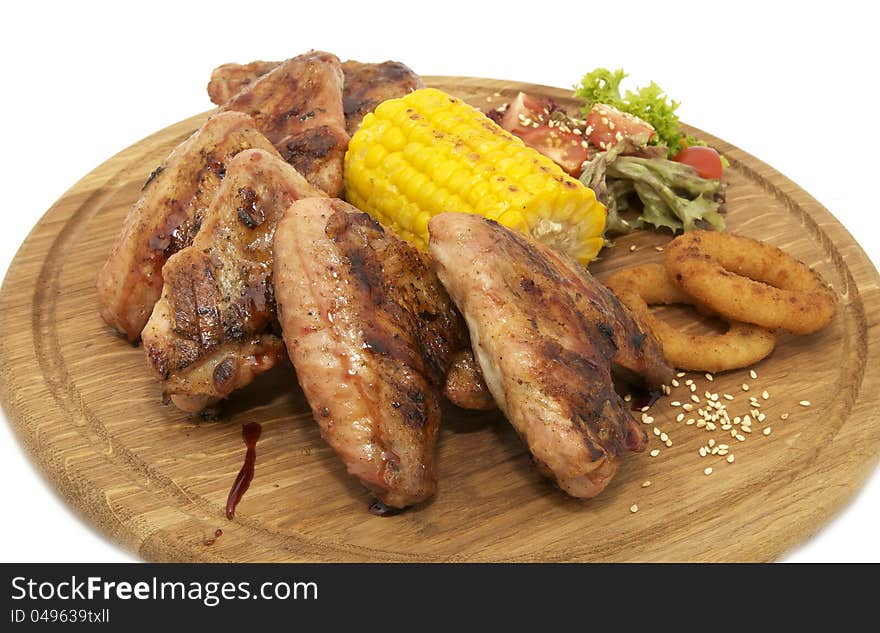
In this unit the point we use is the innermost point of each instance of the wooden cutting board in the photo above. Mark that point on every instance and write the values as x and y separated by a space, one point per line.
156 481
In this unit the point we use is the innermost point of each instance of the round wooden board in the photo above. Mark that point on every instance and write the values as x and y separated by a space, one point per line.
84 406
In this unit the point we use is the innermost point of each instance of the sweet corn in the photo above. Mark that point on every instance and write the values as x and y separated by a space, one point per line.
428 153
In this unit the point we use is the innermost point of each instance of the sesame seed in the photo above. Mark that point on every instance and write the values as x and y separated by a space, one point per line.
745 387
726 427
701 424
767 431
656 431
634 508
679 417
761 417
710 377
675 383
695 398
707 471
690 421
655 452
765 394
715 450
805 403
648 419
680 374
675 403
727 396
646 483
753 374
663 437
784 416
741 438
692 387
632 248
645 408
659 249
702 451
687 406
627 397
668 443
711 443
731 458
710 426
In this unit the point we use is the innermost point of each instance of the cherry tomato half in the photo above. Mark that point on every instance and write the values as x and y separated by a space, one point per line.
705 160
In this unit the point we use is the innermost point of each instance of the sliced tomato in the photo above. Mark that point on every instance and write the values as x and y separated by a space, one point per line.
525 111
566 149
705 160
607 126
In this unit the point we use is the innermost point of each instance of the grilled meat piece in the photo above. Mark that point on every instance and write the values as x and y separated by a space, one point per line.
167 216
464 385
546 335
209 332
371 333
230 79
366 85
298 106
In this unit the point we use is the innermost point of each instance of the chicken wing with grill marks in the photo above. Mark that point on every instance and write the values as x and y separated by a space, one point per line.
365 85
372 334
209 332
298 106
167 216
546 335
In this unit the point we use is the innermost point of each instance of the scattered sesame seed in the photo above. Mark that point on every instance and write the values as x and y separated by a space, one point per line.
690 421
715 450
680 374
710 426
663 437
784 416
645 408
634 508
701 424
646 483
679 417
657 431
695 398
767 431
702 451
753 374
710 377
655 452
632 248
711 443
726 427
741 438
731 458
627 397
745 387
675 403
805 403
675 383
708 471
659 249
765 394
668 443
761 417
727 396
692 387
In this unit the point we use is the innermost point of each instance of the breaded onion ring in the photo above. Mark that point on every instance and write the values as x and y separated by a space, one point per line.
742 345
746 280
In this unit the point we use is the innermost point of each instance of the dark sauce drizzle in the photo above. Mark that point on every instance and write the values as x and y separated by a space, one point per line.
251 433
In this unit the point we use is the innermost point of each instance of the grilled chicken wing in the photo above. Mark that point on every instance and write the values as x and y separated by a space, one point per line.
368 85
545 334
208 333
167 217
365 87
371 333
298 106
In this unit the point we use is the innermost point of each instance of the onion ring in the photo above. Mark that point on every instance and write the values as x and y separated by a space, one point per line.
741 345
746 280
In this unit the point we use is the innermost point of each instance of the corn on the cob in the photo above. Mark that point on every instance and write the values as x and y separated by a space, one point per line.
428 152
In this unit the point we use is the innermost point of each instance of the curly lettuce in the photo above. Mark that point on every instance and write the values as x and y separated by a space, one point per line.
649 103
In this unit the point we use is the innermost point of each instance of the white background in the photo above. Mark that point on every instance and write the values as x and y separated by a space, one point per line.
795 87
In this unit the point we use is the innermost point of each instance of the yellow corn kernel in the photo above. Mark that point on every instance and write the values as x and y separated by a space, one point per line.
429 153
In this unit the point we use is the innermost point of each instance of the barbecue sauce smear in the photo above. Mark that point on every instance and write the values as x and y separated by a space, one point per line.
251 433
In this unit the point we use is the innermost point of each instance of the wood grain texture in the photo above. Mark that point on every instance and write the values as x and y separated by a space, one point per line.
86 409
